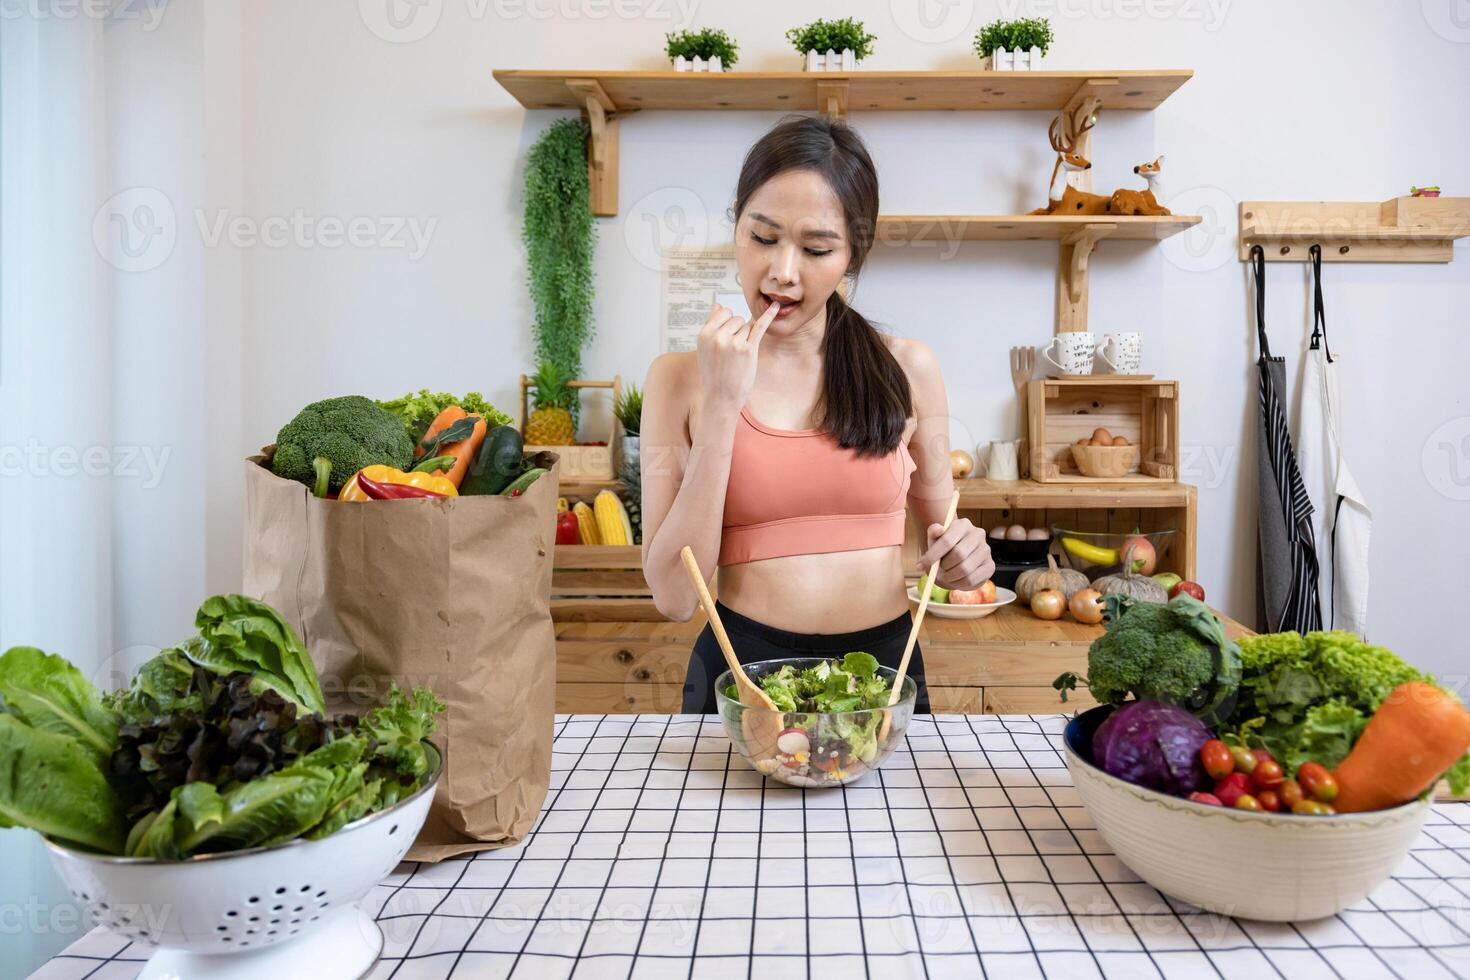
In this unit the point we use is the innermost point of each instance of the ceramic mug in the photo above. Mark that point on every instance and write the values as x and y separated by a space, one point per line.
1121 353
1003 463
1070 352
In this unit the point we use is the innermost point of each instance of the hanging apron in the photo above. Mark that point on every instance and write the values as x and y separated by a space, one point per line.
1343 524
1287 558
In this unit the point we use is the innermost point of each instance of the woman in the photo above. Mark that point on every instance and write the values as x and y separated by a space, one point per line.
785 450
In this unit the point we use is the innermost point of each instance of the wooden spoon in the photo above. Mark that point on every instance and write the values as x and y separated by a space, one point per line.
761 727
908 650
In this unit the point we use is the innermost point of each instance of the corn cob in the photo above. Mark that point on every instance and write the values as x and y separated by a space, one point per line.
562 506
586 524
611 518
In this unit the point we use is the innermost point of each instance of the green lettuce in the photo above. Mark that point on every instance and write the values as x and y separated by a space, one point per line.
400 727
49 694
240 633
51 783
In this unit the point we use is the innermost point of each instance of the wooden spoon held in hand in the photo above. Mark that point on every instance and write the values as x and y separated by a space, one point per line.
762 723
925 584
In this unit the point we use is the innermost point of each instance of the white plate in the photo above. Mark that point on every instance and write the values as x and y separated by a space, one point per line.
1003 597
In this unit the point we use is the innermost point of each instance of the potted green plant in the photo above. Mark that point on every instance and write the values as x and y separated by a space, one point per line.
832 45
708 50
1014 45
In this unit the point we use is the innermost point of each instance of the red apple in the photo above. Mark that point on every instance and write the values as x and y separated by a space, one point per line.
1188 588
1143 552
987 591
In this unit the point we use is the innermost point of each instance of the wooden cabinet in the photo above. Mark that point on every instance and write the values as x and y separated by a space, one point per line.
615 653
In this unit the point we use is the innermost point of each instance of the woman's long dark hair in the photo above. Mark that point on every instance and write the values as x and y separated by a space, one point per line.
865 400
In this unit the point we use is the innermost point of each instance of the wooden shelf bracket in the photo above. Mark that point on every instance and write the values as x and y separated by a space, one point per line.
832 99
1076 250
602 155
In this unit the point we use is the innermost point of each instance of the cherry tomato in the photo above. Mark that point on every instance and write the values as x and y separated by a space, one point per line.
1312 808
1245 801
1232 787
1244 761
1270 800
1290 792
1268 774
1262 755
1209 798
1317 782
1216 758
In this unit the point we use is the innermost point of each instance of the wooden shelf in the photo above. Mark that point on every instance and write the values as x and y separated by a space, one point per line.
1031 495
1400 229
1027 227
865 90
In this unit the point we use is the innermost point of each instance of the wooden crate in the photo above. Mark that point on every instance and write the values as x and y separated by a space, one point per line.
585 463
1145 412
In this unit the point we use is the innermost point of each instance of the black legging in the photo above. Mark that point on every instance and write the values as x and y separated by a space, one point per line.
753 641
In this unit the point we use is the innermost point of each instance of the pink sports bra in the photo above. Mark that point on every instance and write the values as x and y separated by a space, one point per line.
796 492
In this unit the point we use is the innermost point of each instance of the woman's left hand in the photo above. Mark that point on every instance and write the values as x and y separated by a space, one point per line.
962 553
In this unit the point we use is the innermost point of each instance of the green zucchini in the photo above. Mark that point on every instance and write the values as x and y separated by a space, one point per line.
523 481
497 464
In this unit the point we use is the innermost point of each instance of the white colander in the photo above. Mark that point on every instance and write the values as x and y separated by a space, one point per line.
283 911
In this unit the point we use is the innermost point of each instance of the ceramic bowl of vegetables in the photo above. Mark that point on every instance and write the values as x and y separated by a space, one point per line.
1278 776
1245 863
830 717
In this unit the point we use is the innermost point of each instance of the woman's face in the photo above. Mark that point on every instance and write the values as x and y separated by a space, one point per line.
791 247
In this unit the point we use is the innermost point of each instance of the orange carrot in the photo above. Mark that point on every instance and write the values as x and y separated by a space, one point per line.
464 451
1415 735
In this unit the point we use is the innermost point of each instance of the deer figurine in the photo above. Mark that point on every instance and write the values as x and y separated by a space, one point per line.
1145 201
1065 130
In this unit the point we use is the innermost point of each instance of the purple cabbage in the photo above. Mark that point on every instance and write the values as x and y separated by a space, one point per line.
1154 745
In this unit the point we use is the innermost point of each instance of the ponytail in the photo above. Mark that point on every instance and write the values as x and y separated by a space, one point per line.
866 400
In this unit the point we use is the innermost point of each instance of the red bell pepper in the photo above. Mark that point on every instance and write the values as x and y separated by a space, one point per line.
566 528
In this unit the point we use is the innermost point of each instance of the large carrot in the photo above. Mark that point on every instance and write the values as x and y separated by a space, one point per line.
463 451
1415 735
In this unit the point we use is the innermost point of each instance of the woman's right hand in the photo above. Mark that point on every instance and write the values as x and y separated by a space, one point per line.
727 351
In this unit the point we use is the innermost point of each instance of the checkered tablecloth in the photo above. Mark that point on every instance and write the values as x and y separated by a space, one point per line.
661 854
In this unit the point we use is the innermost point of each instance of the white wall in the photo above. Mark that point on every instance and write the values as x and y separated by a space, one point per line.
1330 100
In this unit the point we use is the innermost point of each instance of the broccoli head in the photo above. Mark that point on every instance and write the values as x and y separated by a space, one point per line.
349 432
1175 653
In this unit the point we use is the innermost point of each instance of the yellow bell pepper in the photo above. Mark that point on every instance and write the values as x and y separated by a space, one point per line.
398 484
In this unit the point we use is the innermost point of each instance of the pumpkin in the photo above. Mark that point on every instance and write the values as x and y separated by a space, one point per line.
1131 584
1064 580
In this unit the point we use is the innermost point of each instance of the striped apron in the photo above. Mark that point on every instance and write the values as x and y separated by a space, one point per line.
1287 558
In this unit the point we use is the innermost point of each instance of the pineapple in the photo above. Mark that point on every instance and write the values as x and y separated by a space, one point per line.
551 422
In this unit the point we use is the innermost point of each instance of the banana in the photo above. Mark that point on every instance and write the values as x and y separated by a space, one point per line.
1090 553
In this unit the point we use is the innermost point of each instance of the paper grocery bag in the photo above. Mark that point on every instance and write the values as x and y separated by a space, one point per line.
454 594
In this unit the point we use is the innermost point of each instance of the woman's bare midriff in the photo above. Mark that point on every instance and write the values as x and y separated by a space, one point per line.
837 592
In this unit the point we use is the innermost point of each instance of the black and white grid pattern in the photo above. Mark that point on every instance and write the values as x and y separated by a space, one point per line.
661 854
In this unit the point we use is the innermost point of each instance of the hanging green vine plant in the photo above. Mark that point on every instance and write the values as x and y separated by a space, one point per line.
560 235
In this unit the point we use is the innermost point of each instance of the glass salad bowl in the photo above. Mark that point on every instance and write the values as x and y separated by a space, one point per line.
817 749
287 910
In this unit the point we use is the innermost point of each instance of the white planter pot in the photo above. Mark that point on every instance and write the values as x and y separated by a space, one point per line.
698 64
831 61
1022 60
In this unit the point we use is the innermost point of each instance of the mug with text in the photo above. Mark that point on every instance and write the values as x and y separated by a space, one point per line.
1070 352
1121 353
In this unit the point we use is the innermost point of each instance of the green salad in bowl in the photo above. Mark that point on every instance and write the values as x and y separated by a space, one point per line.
832 711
